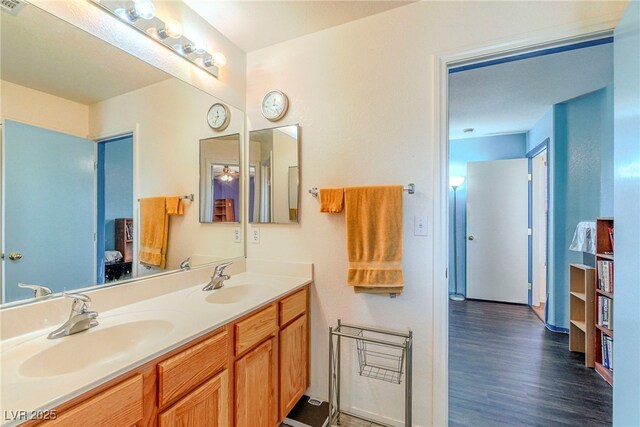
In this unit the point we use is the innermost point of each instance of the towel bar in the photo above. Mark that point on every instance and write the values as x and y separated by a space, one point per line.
186 197
410 188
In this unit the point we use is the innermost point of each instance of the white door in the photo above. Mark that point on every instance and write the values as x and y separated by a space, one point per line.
497 231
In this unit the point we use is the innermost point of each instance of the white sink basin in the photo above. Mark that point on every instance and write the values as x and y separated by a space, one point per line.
96 345
237 293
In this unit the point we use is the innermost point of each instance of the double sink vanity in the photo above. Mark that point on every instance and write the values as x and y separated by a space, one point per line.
237 355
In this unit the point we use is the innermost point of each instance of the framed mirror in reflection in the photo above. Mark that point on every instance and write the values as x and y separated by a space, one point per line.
274 175
220 179
89 135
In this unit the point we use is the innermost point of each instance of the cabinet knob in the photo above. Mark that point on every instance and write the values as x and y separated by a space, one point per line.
14 256
471 237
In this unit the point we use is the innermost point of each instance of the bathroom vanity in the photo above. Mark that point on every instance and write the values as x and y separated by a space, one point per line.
238 355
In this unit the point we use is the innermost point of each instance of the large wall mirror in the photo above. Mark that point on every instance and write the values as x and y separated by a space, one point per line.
99 148
274 175
220 179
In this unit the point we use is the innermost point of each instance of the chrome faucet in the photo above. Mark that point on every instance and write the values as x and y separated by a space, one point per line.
186 264
218 278
80 318
39 291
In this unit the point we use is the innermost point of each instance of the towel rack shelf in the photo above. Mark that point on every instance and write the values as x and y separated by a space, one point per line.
409 188
382 354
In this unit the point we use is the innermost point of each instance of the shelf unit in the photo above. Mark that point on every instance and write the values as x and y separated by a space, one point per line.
224 210
382 355
124 238
581 300
604 253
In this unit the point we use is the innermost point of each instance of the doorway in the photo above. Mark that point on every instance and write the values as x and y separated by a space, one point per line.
541 139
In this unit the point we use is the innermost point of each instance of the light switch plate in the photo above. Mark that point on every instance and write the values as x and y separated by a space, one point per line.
255 235
420 225
237 237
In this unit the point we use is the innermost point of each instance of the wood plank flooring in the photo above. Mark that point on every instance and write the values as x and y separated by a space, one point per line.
506 369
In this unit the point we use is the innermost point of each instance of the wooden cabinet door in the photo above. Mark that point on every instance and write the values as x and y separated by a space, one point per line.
205 406
293 364
256 399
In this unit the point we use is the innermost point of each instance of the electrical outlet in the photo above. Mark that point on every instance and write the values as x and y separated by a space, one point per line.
420 225
237 237
255 235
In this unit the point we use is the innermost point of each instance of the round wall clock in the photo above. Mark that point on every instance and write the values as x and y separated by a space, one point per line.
219 116
274 105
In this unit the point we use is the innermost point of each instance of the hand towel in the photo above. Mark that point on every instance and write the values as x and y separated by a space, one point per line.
331 200
374 238
154 228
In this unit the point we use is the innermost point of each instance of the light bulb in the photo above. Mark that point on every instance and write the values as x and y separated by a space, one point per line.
218 59
172 28
144 9
456 181
122 13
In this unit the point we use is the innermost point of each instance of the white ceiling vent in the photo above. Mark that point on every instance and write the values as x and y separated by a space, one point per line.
12 6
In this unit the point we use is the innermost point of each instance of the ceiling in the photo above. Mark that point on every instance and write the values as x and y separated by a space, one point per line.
48 54
253 25
511 97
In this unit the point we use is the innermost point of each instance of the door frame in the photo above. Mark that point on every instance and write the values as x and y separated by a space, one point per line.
442 62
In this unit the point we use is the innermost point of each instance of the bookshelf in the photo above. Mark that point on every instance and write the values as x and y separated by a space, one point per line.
581 300
124 238
223 210
603 304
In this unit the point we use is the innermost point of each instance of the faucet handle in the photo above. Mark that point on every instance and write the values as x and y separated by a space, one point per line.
80 301
220 267
39 291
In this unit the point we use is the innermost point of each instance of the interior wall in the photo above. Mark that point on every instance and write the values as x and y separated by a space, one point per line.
169 118
363 93
626 376
40 109
462 151
285 154
118 186
582 130
542 130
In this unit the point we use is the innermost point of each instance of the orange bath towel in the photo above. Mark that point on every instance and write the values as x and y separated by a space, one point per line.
331 200
154 228
374 238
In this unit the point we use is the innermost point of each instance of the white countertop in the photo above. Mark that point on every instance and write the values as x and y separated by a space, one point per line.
129 336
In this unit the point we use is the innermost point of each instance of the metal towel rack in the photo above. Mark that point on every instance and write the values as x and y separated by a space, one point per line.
185 197
409 188
382 354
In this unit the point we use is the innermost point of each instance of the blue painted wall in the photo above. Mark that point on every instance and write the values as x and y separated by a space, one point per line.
582 134
462 151
118 185
542 130
626 357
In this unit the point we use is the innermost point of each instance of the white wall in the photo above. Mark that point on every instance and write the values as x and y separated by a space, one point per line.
41 109
364 96
170 118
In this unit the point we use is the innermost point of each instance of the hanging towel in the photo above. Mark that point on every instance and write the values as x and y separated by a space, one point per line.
331 200
154 228
374 238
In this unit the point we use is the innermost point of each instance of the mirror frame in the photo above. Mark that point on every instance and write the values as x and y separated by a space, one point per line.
248 177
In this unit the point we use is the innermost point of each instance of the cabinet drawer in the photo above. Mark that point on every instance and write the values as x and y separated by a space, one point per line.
293 306
254 329
120 405
182 372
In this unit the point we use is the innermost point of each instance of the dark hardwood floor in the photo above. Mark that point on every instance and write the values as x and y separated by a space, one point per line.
507 369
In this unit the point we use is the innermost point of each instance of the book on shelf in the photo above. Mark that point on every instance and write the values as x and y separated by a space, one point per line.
606 347
605 275
605 312
611 237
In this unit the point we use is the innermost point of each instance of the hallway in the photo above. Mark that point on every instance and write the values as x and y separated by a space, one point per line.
506 369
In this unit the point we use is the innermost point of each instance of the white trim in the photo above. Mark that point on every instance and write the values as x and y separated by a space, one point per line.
579 31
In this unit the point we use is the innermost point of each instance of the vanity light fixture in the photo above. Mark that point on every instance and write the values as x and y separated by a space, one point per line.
140 14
